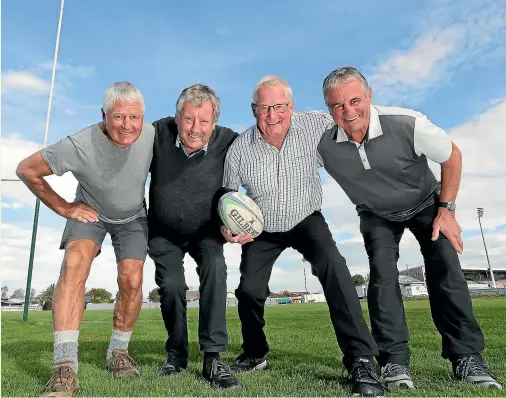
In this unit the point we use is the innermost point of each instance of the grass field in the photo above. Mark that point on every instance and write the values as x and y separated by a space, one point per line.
304 358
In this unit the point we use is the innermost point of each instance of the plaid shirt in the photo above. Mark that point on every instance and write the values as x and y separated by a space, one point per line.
179 143
286 183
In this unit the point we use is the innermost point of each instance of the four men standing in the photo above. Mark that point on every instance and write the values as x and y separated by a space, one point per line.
379 157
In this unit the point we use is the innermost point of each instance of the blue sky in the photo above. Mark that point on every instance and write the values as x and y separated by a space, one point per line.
432 56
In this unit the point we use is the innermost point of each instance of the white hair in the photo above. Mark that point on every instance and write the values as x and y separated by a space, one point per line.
272 81
121 91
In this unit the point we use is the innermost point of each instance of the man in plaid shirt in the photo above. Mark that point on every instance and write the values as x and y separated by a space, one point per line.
276 161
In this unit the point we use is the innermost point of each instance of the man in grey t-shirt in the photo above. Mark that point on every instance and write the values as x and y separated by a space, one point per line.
111 161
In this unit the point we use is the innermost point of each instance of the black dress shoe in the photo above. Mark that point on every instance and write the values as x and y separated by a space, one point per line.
364 379
168 369
219 374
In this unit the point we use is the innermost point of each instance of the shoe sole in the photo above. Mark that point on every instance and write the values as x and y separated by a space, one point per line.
488 384
260 366
216 387
364 391
403 383
491 383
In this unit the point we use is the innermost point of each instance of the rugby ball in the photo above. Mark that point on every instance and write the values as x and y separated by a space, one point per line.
239 213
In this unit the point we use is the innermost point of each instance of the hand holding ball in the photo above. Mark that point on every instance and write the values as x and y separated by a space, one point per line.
239 213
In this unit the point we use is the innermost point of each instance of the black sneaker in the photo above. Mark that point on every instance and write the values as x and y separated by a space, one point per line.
169 369
246 363
396 375
474 370
365 380
218 373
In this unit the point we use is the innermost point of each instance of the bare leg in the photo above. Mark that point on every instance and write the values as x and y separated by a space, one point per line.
126 312
68 302
129 301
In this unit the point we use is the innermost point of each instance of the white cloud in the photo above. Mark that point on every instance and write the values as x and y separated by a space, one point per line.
48 258
450 38
15 205
25 81
72 71
419 64
14 149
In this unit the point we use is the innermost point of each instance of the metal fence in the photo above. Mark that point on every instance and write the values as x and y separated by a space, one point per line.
31 307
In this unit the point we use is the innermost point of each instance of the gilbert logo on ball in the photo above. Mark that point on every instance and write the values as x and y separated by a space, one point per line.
240 213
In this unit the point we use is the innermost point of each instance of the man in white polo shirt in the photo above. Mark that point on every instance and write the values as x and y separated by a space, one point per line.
378 155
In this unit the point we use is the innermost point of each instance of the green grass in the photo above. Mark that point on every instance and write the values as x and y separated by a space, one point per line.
304 358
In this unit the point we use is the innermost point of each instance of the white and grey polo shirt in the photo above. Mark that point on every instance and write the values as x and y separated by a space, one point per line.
388 173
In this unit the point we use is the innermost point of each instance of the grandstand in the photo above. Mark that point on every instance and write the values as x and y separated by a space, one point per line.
474 275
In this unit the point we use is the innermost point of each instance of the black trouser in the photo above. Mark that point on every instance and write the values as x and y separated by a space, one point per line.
312 238
169 276
449 297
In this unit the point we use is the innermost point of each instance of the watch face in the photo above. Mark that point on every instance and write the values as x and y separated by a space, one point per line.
449 205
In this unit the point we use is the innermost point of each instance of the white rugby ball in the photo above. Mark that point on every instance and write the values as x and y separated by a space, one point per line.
239 213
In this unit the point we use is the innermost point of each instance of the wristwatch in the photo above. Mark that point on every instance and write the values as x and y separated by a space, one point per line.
448 205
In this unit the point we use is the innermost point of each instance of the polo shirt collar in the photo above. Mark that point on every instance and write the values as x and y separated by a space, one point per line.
374 130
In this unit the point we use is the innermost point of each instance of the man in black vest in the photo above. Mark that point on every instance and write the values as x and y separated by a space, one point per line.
186 176
378 155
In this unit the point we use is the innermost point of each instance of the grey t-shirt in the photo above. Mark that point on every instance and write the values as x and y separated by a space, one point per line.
111 179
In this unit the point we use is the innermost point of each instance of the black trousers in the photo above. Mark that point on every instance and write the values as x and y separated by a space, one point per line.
449 297
169 276
312 238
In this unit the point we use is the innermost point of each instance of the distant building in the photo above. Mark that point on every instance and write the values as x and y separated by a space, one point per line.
411 287
192 295
476 276
314 298
414 272
361 291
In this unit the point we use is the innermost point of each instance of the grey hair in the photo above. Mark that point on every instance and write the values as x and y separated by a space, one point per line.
272 81
197 94
341 75
122 91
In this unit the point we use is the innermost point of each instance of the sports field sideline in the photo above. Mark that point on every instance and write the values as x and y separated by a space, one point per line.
303 359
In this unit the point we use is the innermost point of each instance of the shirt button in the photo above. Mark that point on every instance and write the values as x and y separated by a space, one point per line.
364 160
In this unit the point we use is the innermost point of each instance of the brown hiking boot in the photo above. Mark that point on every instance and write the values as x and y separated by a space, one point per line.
63 382
122 364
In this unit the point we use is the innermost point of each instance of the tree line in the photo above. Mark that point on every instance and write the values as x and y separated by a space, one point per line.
101 295
44 298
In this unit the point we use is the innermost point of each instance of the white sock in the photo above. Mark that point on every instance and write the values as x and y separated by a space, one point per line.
65 347
119 341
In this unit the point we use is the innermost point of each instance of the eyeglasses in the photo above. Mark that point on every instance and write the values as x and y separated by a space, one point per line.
263 109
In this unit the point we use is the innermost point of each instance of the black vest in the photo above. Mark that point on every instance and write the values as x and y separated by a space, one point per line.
184 192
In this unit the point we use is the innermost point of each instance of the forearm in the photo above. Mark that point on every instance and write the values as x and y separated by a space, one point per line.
451 171
42 190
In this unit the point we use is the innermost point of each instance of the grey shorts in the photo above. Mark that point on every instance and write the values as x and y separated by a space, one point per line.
129 240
